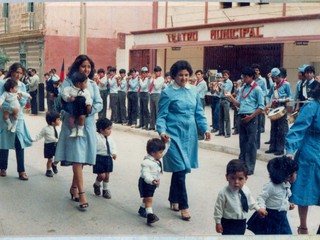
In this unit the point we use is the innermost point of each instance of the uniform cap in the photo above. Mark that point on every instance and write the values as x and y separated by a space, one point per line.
301 68
144 69
219 75
275 72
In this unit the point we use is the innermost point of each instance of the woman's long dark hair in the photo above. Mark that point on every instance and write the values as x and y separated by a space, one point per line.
77 63
14 67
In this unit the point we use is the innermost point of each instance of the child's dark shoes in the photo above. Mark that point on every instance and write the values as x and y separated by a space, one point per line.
96 190
152 218
49 173
142 212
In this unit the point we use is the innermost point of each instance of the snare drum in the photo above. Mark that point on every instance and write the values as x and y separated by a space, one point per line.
277 113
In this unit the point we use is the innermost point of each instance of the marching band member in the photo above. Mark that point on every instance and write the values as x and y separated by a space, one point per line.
250 103
279 95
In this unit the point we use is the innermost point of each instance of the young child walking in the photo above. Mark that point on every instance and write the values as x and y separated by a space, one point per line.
78 103
234 201
50 135
10 96
106 153
151 168
274 198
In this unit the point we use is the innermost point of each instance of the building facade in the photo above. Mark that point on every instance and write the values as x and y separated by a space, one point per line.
215 36
43 34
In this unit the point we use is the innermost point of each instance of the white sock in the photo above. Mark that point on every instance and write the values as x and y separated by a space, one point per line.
80 127
143 205
8 121
149 210
97 183
105 185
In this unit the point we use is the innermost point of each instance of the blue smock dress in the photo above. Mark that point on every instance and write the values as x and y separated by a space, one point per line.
304 136
79 149
180 111
7 138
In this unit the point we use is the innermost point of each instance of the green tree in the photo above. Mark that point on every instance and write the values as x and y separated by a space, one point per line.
4 58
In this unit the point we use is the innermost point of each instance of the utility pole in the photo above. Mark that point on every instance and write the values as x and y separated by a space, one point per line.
83 28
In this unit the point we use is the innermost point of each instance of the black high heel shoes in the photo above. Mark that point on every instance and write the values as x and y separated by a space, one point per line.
72 194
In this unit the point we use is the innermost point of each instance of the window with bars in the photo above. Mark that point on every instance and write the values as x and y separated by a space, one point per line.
5 10
30 7
226 5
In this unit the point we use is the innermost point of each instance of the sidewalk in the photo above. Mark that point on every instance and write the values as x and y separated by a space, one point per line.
220 144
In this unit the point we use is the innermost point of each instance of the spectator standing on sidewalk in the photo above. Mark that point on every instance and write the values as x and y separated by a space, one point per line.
113 83
33 90
155 88
102 85
224 115
202 90
215 103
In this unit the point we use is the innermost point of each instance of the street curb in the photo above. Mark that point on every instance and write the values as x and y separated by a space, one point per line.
210 145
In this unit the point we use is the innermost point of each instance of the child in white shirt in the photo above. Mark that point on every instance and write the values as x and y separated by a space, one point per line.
234 201
10 95
50 135
106 153
78 103
151 168
274 198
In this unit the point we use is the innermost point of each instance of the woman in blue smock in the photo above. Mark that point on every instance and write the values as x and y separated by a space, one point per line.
303 138
180 111
20 139
80 150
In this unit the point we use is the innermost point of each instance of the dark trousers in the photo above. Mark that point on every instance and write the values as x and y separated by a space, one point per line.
34 102
154 100
235 120
224 117
103 112
114 106
144 109
279 130
122 111
4 155
132 107
178 190
247 141
260 116
215 109
50 102
233 226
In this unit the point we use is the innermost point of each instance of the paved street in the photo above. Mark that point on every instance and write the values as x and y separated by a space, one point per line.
42 206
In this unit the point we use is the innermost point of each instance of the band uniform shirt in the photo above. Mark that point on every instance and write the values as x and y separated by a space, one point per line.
227 86
103 86
253 101
262 83
144 85
157 85
284 91
202 88
133 84
123 85
113 82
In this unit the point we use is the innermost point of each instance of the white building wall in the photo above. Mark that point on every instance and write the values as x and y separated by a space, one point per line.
193 13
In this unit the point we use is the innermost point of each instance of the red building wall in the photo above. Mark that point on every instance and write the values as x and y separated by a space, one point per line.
101 50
